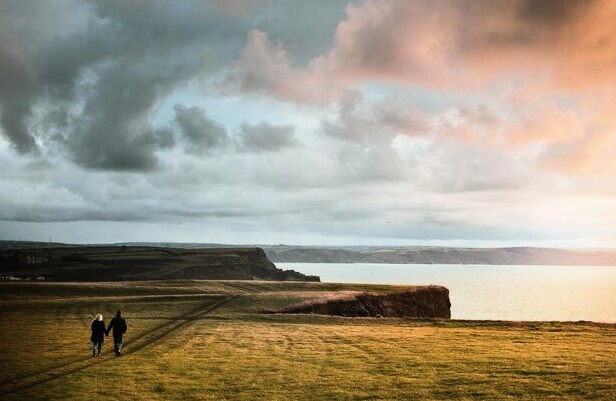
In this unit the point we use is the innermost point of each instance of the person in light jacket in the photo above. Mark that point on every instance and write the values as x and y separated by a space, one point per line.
98 334
119 327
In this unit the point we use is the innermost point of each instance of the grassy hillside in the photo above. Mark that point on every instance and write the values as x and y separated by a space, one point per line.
117 263
442 255
206 340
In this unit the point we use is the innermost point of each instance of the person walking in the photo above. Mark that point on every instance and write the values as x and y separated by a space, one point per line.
98 334
119 327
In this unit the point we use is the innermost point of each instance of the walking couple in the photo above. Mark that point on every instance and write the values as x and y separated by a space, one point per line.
99 332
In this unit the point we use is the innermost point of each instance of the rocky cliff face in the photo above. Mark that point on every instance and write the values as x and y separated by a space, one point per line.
421 302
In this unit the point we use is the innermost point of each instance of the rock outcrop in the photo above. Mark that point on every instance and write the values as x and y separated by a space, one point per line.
420 302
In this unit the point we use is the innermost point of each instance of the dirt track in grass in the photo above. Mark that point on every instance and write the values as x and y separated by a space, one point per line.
137 343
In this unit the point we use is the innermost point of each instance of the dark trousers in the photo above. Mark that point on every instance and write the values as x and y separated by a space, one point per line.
95 346
117 346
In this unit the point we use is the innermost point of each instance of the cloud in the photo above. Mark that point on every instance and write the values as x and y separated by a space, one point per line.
365 135
265 137
593 153
89 85
264 67
449 119
201 133
392 40
15 73
16 80
389 40
446 45
459 166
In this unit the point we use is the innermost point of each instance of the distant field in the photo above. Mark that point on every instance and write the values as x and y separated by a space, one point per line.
205 340
133 263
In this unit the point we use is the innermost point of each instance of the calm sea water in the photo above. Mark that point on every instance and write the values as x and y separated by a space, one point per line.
494 292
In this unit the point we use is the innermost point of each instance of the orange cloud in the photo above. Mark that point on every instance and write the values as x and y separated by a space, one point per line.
594 153
547 124
571 46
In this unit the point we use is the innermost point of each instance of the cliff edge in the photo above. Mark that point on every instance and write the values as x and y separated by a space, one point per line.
420 302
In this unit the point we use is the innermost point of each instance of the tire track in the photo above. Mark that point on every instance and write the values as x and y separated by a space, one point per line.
134 339
29 301
137 343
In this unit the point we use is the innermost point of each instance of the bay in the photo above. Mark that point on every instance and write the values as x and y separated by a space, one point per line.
494 292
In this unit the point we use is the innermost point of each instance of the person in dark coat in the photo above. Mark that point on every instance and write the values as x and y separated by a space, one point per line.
119 327
98 334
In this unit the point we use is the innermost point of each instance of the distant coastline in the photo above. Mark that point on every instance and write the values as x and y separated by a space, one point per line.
442 255
394 255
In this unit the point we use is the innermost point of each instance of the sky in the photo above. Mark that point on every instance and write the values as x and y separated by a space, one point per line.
380 122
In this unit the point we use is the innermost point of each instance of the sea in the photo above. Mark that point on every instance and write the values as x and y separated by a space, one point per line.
494 292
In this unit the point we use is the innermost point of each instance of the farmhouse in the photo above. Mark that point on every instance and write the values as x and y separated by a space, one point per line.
32 259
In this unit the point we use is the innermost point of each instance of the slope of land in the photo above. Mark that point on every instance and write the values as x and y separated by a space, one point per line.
118 263
442 255
424 302
207 340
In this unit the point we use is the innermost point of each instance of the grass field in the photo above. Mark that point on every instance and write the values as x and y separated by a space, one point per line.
206 340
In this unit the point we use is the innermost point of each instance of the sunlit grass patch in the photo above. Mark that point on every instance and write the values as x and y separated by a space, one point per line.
236 353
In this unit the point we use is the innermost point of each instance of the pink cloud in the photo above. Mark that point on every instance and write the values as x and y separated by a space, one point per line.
391 41
263 67
547 48
446 45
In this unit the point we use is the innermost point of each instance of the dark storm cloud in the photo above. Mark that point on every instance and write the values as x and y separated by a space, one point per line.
552 11
15 73
16 81
116 133
200 132
96 70
156 48
265 137
164 137
524 23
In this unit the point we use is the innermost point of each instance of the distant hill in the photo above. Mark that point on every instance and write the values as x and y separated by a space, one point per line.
442 255
61 262
367 254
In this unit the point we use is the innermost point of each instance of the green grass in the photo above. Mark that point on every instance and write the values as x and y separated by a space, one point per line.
235 353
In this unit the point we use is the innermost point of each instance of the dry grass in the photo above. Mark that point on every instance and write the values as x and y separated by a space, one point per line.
232 353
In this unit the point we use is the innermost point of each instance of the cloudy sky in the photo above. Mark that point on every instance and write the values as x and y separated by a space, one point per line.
406 122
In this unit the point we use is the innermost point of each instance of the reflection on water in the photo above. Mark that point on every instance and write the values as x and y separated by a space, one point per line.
494 292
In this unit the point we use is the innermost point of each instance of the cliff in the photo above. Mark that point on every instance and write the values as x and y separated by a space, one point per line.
420 302
121 263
